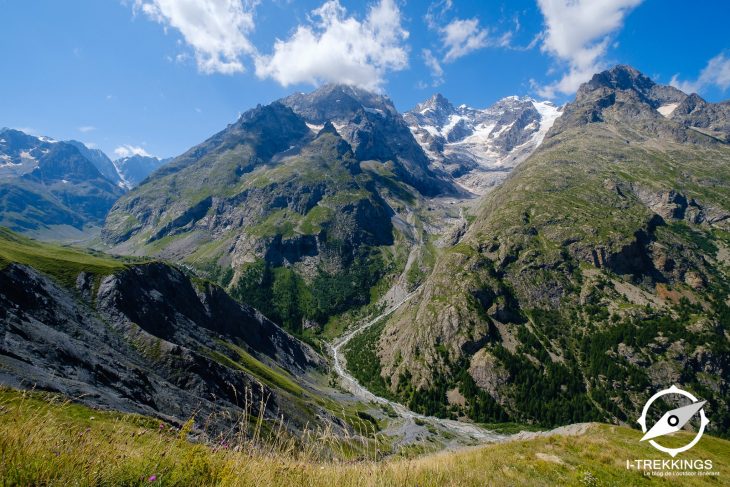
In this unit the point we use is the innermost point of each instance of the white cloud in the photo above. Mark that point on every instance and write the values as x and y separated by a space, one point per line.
127 150
462 36
436 11
459 37
335 47
91 145
437 72
577 32
86 129
716 73
217 30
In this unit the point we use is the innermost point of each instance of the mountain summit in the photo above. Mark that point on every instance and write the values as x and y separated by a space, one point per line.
624 95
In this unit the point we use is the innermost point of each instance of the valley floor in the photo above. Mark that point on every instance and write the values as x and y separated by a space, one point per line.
44 441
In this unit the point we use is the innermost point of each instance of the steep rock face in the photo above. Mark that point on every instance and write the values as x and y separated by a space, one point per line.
596 255
479 148
146 340
100 160
373 127
710 118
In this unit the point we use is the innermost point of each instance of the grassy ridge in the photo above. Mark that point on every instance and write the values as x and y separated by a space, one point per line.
52 443
61 263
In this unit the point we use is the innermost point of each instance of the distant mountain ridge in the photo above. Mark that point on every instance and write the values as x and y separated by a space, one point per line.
47 184
65 187
102 162
479 147
132 170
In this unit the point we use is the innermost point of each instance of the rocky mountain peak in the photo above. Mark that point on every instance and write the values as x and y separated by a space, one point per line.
628 79
338 102
436 105
625 96
371 125
621 77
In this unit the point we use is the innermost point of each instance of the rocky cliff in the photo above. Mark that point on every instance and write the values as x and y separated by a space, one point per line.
145 338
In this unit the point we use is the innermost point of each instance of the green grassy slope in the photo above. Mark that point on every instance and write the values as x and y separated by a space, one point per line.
59 262
573 299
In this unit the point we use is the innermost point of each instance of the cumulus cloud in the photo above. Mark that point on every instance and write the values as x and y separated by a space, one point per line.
86 129
217 30
336 47
437 72
716 73
462 36
577 32
130 150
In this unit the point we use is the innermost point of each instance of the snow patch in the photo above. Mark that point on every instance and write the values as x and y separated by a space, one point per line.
124 182
314 127
376 111
453 120
548 114
667 109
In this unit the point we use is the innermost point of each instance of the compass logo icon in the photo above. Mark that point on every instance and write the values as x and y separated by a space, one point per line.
673 420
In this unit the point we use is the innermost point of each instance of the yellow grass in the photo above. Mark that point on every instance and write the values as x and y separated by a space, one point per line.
47 442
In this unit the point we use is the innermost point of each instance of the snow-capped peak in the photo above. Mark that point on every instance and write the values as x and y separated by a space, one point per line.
479 147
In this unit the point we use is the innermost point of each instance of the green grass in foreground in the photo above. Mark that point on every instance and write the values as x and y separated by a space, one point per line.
46 442
59 262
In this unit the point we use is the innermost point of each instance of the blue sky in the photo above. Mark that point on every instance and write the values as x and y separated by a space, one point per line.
160 76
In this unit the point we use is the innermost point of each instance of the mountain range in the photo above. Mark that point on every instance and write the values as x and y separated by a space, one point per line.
528 263
480 147
597 271
61 188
